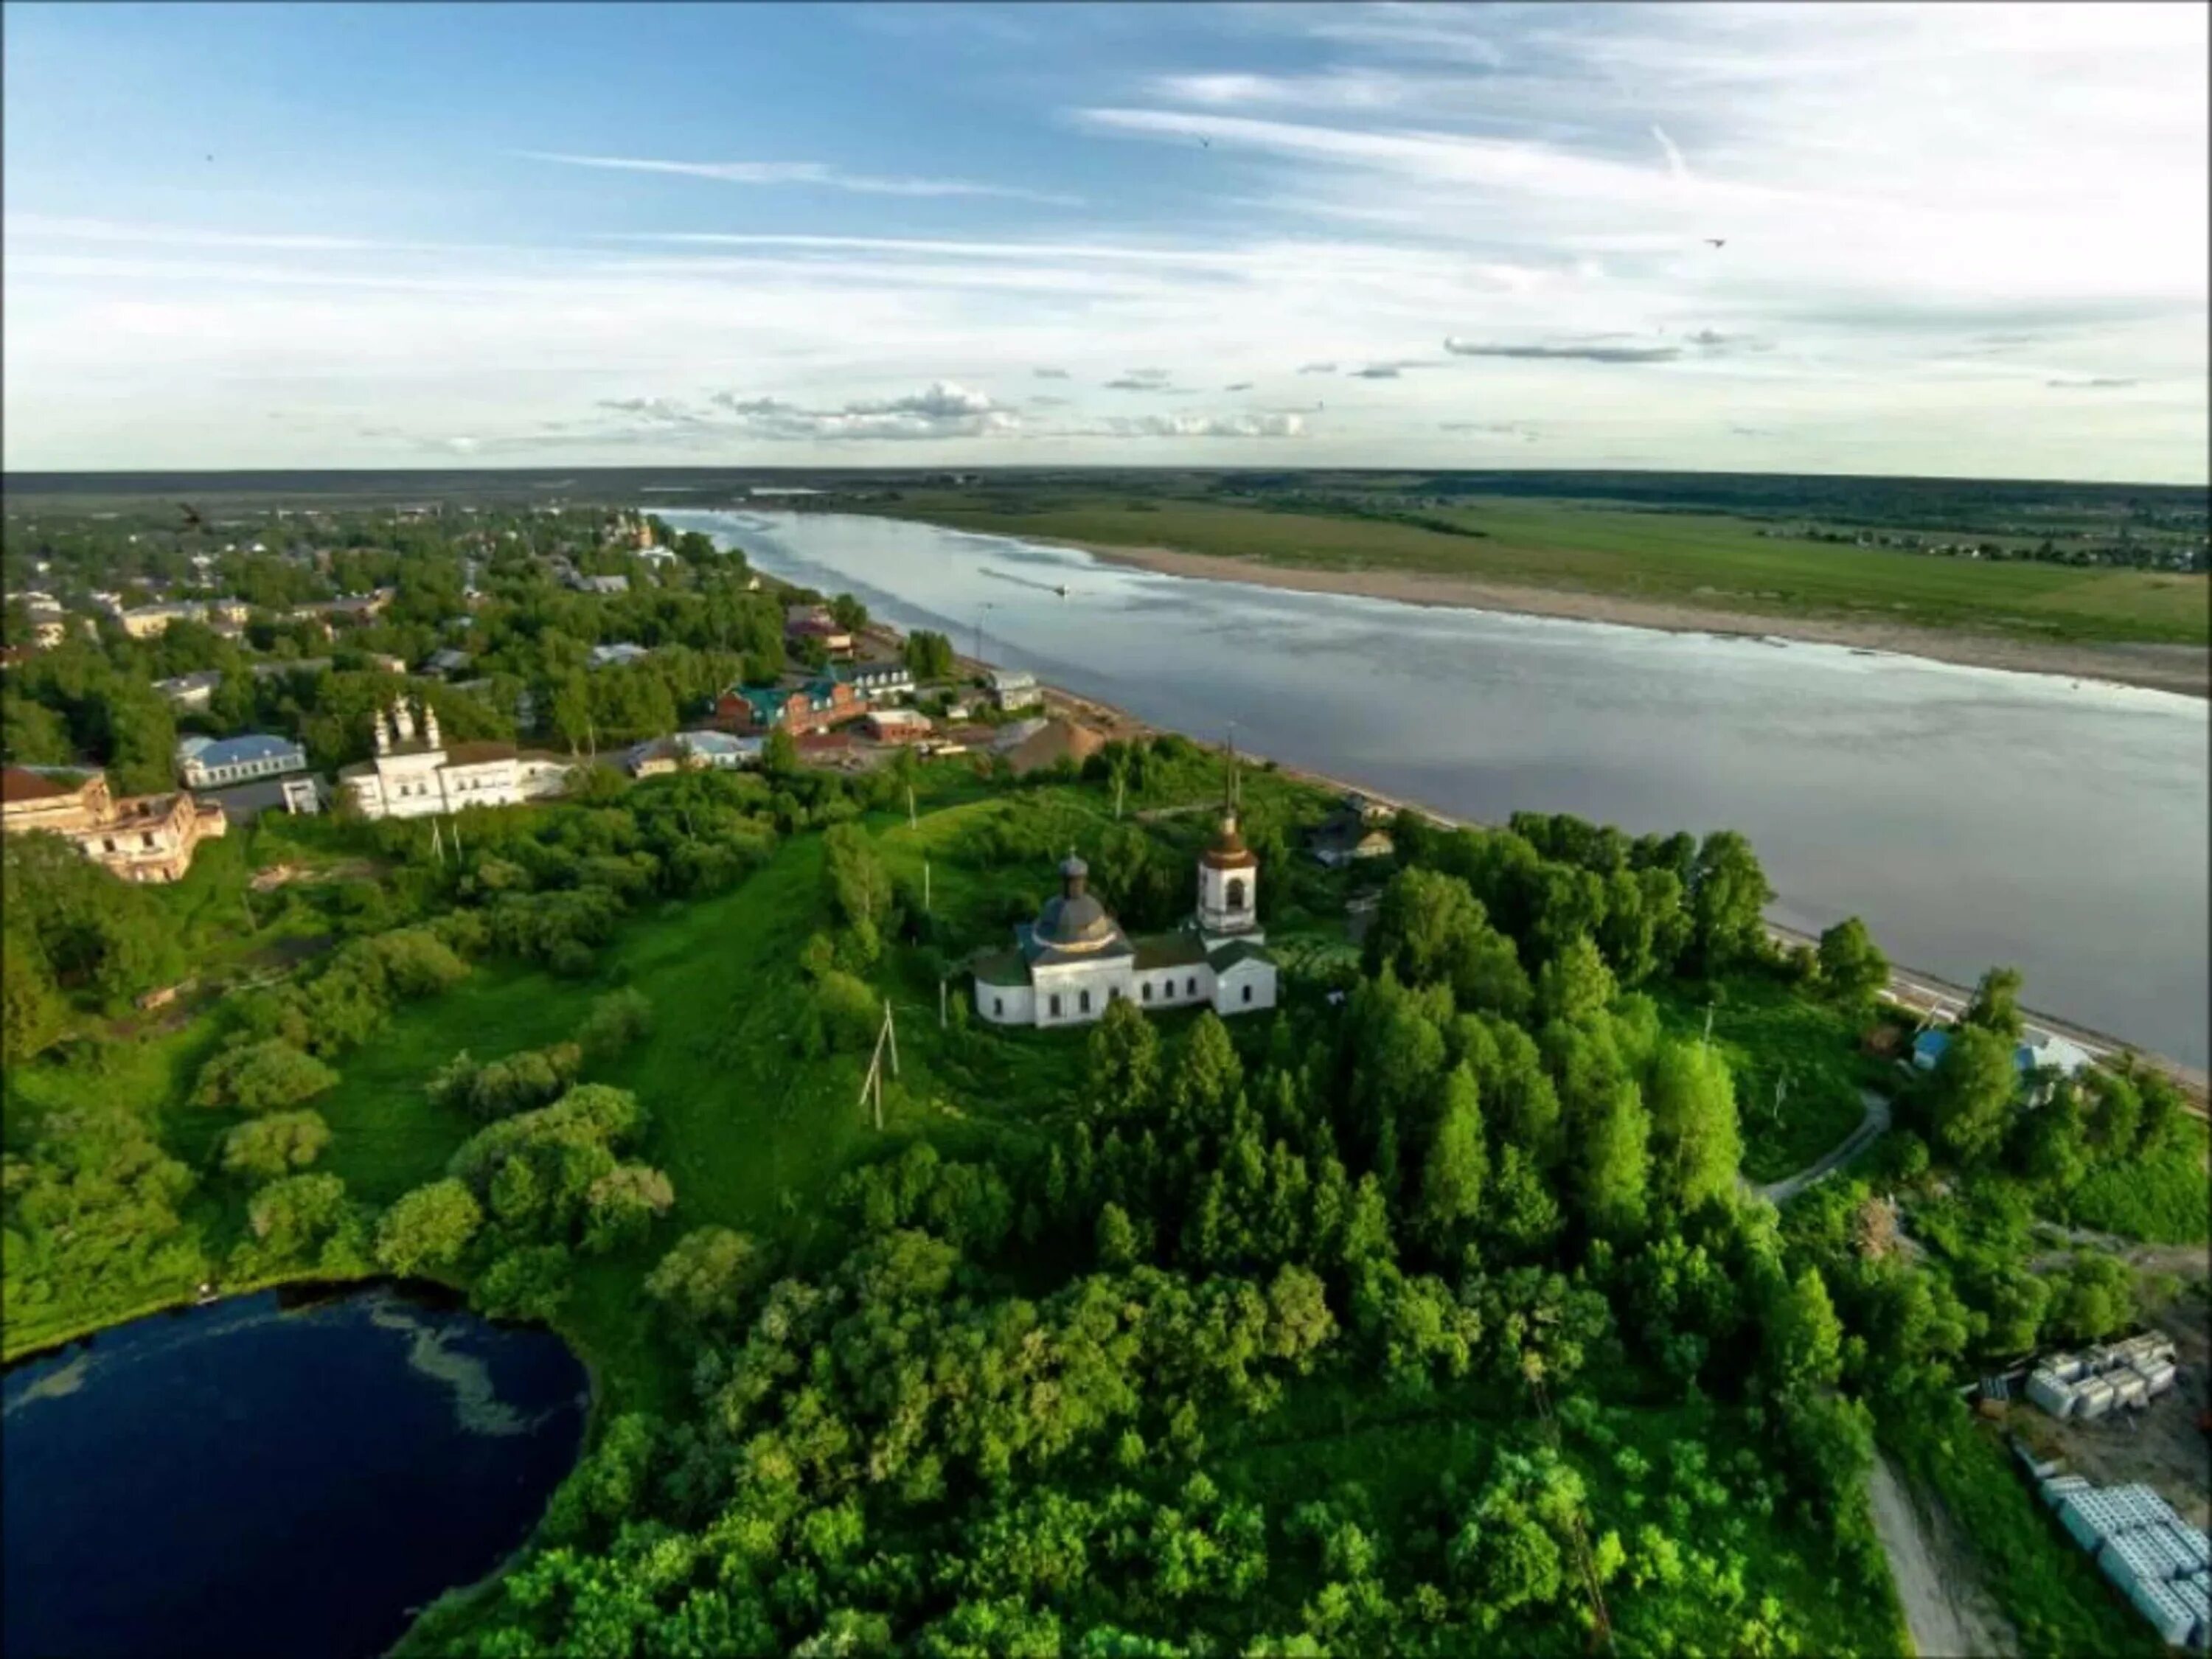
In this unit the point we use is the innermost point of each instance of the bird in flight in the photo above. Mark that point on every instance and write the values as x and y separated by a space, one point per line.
1716 241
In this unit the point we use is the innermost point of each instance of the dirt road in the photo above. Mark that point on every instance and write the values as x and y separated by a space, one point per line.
1950 1614
1875 1123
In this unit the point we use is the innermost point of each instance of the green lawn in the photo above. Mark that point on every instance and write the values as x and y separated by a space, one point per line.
1770 1036
1684 558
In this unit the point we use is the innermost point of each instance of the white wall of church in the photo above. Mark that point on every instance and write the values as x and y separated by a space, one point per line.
1072 982
1174 988
1006 1005
1232 984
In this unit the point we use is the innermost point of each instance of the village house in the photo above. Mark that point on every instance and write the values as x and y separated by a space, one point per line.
1011 689
149 622
1074 961
814 622
191 692
620 655
818 704
878 681
1358 828
896 724
693 751
212 763
414 775
139 837
598 584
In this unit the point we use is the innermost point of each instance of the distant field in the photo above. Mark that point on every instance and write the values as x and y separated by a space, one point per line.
1714 561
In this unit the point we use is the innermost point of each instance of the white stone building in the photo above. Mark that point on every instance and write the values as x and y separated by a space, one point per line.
1074 961
414 774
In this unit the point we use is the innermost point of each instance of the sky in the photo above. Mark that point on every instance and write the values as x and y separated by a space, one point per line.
1942 239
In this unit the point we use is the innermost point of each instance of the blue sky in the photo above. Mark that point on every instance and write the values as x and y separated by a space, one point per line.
1957 240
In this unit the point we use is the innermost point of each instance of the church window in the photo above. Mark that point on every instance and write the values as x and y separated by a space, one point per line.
1190 986
1148 990
1056 1005
1248 994
1236 892
998 1006
1083 1000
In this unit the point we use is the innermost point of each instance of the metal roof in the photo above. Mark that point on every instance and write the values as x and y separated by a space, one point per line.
254 746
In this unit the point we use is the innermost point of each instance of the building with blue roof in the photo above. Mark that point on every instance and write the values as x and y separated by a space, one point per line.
207 763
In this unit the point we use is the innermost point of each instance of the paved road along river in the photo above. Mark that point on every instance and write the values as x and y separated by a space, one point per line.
1970 815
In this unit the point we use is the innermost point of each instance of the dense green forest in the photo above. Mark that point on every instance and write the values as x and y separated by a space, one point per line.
1427 1313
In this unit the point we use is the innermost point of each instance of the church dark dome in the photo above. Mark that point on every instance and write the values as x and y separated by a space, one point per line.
1075 918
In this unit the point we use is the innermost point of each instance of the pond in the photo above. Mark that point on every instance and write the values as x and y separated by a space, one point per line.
275 1475
1970 815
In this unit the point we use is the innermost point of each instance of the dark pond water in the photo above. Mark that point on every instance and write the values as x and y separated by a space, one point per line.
1970 815
246 1479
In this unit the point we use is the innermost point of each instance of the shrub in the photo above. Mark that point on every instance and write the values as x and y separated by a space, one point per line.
261 1077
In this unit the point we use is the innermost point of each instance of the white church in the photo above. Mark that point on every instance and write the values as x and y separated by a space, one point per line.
1074 961
414 774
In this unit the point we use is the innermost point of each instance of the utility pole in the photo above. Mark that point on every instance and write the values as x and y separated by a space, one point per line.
926 909
912 822
940 1005
890 1030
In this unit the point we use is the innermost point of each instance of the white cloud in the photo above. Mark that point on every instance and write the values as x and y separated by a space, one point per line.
1950 232
819 174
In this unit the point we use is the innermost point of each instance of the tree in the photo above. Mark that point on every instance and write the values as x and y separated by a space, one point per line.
275 1145
531 1282
427 1228
780 753
706 1277
854 876
2095 1298
1613 1160
1996 1004
848 613
262 1077
617 1020
928 655
32 1012
1804 1339
290 1218
1972 1095
1729 892
1207 1073
1696 1142
1453 1173
1124 1054
1853 969
1116 1239
1575 985
621 1206
1430 928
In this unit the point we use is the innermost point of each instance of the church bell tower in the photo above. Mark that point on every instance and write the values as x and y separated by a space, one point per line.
1229 876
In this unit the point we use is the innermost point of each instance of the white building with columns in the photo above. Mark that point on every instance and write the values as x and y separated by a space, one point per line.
1074 961
414 774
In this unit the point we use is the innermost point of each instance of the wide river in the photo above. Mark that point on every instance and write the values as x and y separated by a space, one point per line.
260 1477
1970 816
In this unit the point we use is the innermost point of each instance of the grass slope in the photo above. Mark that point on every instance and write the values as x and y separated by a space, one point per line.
1708 560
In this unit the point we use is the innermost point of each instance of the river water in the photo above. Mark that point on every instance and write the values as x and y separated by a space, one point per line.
1970 816
247 1479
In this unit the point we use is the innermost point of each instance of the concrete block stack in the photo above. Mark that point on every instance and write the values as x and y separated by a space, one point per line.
2158 1561
2087 1386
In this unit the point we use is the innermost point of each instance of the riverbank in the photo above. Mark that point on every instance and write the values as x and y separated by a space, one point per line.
2183 669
